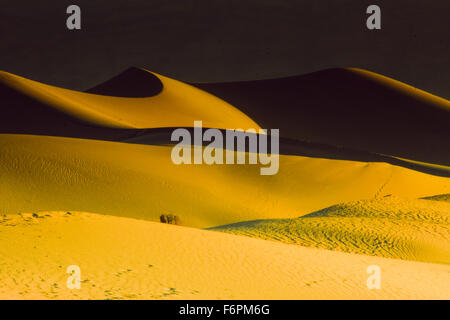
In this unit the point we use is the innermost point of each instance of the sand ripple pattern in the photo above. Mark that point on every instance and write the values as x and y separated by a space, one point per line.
391 227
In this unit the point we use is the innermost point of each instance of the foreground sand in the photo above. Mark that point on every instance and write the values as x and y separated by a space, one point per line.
123 258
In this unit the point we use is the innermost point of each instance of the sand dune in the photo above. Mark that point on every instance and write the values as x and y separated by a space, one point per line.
339 129
123 258
347 107
48 173
137 99
131 83
388 227
34 108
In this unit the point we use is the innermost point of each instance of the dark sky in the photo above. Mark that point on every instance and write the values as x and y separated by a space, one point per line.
211 40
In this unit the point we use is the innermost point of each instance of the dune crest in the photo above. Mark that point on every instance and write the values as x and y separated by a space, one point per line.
30 107
131 83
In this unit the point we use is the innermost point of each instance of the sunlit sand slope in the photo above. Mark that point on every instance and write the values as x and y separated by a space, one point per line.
28 106
389 227
122 258
348 107
40 173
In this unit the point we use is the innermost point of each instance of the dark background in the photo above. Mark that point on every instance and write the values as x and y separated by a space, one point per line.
211 40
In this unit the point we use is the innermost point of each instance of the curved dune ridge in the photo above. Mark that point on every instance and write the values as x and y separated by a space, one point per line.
134 259
49 173
330 107
31 107
389 227
347 107
131 83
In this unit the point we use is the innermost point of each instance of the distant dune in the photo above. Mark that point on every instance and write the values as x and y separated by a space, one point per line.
344 108
131 83
347 107
389 227
31 107
122 258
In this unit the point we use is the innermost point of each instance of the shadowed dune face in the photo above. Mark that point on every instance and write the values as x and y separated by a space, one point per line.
439 197
347 107
132 83
162 136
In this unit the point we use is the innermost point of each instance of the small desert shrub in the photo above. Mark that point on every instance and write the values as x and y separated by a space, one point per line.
169 218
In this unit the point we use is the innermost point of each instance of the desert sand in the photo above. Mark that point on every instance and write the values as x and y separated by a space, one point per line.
84 178
140 181
388 227
123 258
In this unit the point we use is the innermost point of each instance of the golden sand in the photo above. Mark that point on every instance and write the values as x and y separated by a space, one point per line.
70 201
123 258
